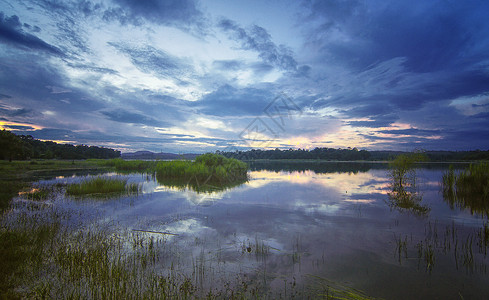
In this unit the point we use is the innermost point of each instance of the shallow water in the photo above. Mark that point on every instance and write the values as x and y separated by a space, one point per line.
298 228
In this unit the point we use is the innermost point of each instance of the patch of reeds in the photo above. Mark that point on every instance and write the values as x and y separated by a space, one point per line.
140 166
328 289
102 186
209 172
404 195
468 188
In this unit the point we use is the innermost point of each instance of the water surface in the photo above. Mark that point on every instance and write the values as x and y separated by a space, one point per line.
297 228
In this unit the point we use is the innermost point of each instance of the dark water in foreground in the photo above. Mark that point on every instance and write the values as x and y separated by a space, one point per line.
295 228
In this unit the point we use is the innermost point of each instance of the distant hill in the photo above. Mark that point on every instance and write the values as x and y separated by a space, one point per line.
160 155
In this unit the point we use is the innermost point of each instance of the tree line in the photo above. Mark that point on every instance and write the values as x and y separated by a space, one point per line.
352 154
317 153
22 147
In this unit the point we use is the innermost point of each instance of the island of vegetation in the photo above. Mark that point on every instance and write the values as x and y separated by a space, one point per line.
208 172
102 187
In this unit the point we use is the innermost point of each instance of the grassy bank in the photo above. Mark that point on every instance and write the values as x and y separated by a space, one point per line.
16 176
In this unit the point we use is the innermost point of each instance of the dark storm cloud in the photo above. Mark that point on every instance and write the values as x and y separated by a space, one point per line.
124 116
230 101
180 13
11 33
432 35
432 51
258 39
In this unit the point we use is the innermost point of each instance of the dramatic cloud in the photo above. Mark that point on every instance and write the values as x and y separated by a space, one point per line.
259 40
187 76
181 13
11 32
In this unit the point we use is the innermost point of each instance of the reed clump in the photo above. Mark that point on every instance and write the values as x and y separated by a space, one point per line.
468 188
208 172
102 186
404 195
140 166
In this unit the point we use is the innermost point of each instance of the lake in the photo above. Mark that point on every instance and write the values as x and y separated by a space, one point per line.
302 230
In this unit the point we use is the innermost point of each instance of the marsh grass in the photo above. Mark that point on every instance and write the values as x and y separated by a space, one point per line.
17 176
468 188
328 289
467 247
46 256
131 166
209 172
404 195
102 186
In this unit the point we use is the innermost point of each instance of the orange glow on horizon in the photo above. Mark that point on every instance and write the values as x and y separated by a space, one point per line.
5 125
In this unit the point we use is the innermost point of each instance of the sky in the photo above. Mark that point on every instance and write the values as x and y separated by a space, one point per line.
197 76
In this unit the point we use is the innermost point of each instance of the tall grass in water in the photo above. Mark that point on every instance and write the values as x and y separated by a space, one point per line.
102 186
468 188
404 195
208 172
141 166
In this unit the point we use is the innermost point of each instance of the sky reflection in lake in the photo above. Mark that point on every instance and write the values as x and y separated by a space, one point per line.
286 225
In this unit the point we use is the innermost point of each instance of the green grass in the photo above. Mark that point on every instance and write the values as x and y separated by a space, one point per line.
139 166
17 176
468 188
45 255
207 173
102 186
404 195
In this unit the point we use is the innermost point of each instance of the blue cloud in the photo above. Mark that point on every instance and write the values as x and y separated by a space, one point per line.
125 116
151 60
258 39
180 13
11 33
230 101
3 96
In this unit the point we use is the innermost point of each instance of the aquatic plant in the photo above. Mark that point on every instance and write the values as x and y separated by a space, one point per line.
468 188
209 172
141 166
328 289
102 186
404 195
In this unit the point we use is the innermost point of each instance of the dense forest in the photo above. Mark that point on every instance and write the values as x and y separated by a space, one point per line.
22 147
350 154
317 153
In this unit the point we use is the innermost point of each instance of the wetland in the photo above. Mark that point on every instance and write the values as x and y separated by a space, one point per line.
320 229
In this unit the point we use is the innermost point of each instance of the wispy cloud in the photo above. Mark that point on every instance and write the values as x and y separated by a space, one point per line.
258 39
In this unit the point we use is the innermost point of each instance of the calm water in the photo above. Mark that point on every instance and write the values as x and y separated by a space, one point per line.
298 228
